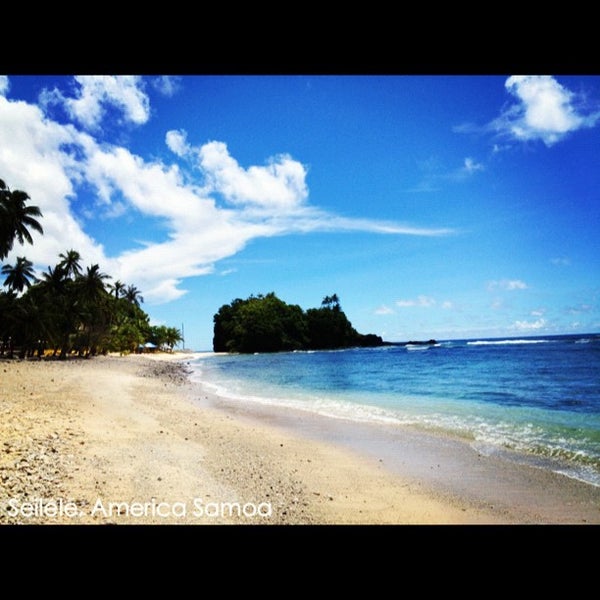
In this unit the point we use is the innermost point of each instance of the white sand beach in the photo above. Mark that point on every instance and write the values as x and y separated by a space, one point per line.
130 440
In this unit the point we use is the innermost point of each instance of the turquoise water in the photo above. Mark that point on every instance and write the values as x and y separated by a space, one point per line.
536 397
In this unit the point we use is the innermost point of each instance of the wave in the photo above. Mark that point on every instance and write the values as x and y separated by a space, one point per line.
574 457
570 338
506 342
553 421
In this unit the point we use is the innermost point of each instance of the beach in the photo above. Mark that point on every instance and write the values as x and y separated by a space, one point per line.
131 440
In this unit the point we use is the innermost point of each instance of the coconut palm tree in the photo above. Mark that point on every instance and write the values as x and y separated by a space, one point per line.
19 276
16 219
95 313
91 285
133 295
117 288
331 302
58 294
54 279
172 337
70 263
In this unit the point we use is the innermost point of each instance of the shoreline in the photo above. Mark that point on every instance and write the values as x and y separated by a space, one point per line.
499 487
131 440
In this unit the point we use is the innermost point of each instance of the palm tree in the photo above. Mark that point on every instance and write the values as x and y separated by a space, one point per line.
161 335
62 310
117 288
16 218
19 276
172 336
331 302
70 263
91 285
336 302
91 290
55 279
133 295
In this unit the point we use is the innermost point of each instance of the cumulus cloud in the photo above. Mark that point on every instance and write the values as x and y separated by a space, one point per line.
96 93
544 110
4 85
38 160
279 184
177 142
194 225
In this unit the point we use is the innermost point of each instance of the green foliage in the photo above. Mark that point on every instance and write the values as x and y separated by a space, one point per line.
329 328
165 337
67 310
267 324
259 324
72 311
126 338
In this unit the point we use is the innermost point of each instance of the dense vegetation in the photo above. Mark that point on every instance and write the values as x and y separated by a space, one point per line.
68 310
267 324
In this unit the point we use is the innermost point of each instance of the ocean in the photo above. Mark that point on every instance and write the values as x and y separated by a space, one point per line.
531 399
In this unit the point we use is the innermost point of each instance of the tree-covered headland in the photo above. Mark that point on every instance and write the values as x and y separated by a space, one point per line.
264 323
69 309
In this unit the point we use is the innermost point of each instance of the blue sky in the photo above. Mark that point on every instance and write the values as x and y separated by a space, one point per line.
434 206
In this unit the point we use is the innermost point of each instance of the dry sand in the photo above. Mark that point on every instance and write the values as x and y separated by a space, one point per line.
130 440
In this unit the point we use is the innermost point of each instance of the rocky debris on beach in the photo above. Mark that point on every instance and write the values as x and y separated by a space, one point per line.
32 471
168 371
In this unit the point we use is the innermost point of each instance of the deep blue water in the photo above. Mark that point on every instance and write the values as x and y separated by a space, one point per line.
538 397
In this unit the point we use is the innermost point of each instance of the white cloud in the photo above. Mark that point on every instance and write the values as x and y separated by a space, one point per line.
4 85
55 162
528 326
545 110
562 261
507 284
281 183
38 162
177 142
321 221
424 301
166 85
97 92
